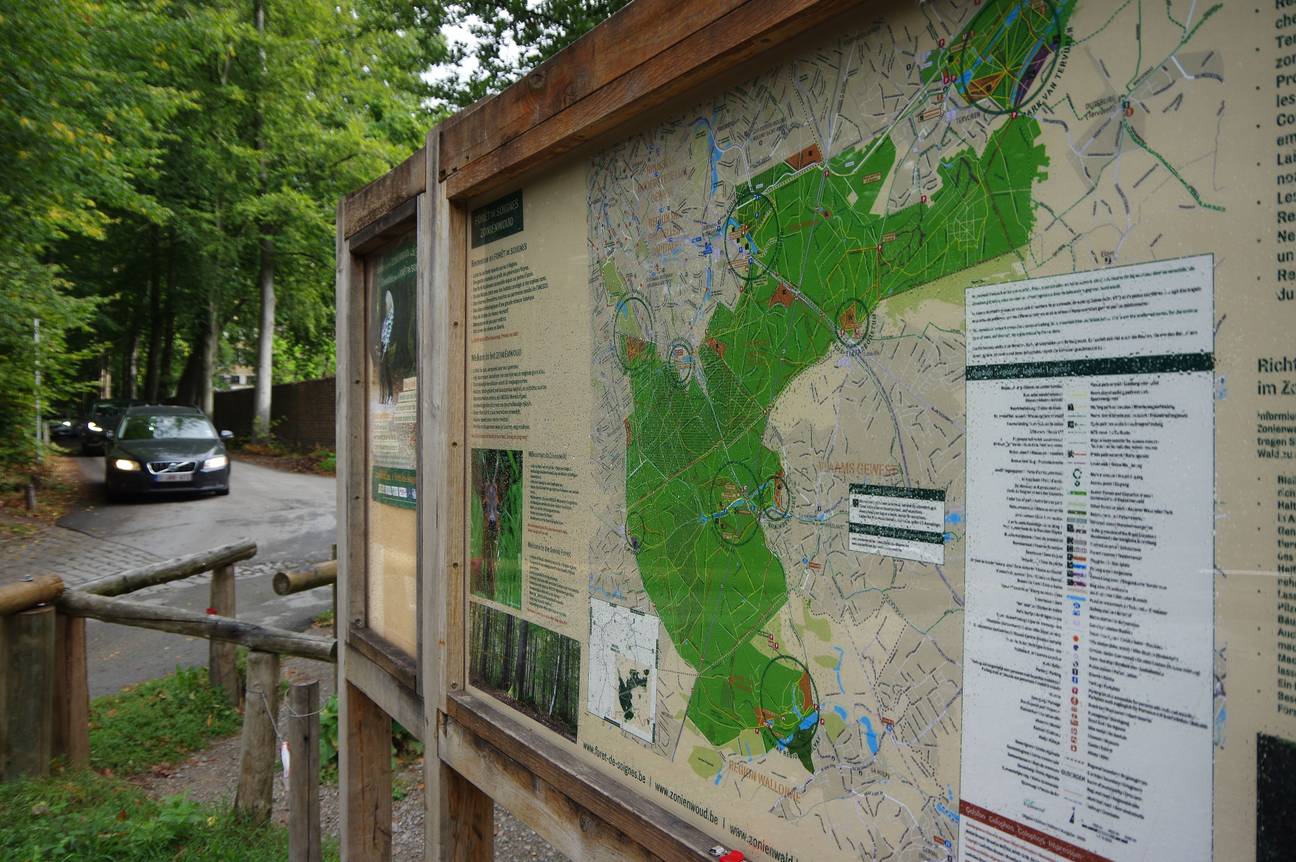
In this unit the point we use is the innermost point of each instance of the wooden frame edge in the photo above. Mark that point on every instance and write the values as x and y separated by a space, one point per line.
743 35
667 836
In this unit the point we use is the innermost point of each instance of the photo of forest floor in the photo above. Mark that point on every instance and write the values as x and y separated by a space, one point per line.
532 669
495 540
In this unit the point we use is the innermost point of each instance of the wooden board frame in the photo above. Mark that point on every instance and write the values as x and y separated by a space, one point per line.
651 56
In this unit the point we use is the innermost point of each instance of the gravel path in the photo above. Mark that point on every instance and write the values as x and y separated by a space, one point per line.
211 777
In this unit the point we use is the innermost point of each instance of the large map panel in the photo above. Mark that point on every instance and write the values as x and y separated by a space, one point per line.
746 476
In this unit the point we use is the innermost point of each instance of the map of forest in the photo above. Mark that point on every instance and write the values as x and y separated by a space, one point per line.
778 282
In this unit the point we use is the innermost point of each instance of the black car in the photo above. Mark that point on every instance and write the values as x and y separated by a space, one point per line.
165 449
102 418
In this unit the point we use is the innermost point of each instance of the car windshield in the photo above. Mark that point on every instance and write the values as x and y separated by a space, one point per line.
166 427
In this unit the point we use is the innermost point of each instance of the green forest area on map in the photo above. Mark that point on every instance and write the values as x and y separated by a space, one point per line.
814 261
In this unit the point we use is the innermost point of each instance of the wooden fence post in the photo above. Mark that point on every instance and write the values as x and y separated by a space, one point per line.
26 693
221 669
303 735
257 756
71 692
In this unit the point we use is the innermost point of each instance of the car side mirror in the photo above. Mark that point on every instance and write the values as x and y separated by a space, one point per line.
227 435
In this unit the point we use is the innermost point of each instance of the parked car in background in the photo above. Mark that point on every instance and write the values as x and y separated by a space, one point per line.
63 429
157 449
101 418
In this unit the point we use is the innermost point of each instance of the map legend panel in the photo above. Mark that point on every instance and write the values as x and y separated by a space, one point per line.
1090 570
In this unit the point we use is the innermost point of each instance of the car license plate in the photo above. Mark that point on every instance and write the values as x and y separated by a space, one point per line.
174 477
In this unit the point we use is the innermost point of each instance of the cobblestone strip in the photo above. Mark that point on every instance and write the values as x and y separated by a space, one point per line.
75 557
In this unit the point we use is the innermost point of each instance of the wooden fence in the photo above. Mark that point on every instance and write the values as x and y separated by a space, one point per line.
45 695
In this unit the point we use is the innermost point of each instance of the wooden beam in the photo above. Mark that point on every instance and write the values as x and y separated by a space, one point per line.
367 790
26 693
737 38
299 580
571 829
303 735
400 702
24 595
221 669
629 38
258 752
183 622
71 692
385 655
607 799
384 194
170 570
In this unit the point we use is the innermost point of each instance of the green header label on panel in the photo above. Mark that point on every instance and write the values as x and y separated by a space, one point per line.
395 487
498 219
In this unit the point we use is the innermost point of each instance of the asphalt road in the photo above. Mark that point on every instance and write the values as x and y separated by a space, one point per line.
289 515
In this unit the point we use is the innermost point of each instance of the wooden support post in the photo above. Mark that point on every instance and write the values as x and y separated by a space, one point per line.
366 780
303 735
71 692
468 820
255 795
26 693
221 670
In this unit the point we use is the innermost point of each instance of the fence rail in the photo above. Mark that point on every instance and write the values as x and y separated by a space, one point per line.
44 691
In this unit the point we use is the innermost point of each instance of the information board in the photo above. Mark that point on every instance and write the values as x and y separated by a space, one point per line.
392 445
891 456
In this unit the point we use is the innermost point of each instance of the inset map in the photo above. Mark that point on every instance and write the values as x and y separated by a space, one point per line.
623 668
495 543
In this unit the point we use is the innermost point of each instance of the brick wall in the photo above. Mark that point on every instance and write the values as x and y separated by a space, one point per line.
301 414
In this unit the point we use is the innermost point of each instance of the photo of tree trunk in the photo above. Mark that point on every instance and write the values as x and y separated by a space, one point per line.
532 669
495 540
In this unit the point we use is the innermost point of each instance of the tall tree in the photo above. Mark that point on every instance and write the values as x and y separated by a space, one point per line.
81 126
509 37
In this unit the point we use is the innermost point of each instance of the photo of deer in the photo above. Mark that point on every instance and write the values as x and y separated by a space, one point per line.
495 550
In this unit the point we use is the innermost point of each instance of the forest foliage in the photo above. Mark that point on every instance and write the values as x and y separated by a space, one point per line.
528 666
161 158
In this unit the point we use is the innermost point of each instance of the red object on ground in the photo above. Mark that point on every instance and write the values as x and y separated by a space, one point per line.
733 856
211 612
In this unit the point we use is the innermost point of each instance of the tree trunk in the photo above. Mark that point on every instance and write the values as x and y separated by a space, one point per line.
553 698
265 336
519 666
165 388
506 672
207 362
153 369
265 342
485 640
130 369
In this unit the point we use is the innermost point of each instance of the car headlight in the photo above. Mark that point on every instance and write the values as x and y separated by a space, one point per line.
66 424
93 426
217 463
125 464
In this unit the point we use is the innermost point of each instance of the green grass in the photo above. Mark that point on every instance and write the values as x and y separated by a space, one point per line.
159 721
88 817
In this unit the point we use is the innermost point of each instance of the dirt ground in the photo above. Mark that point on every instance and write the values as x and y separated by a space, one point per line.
211 777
